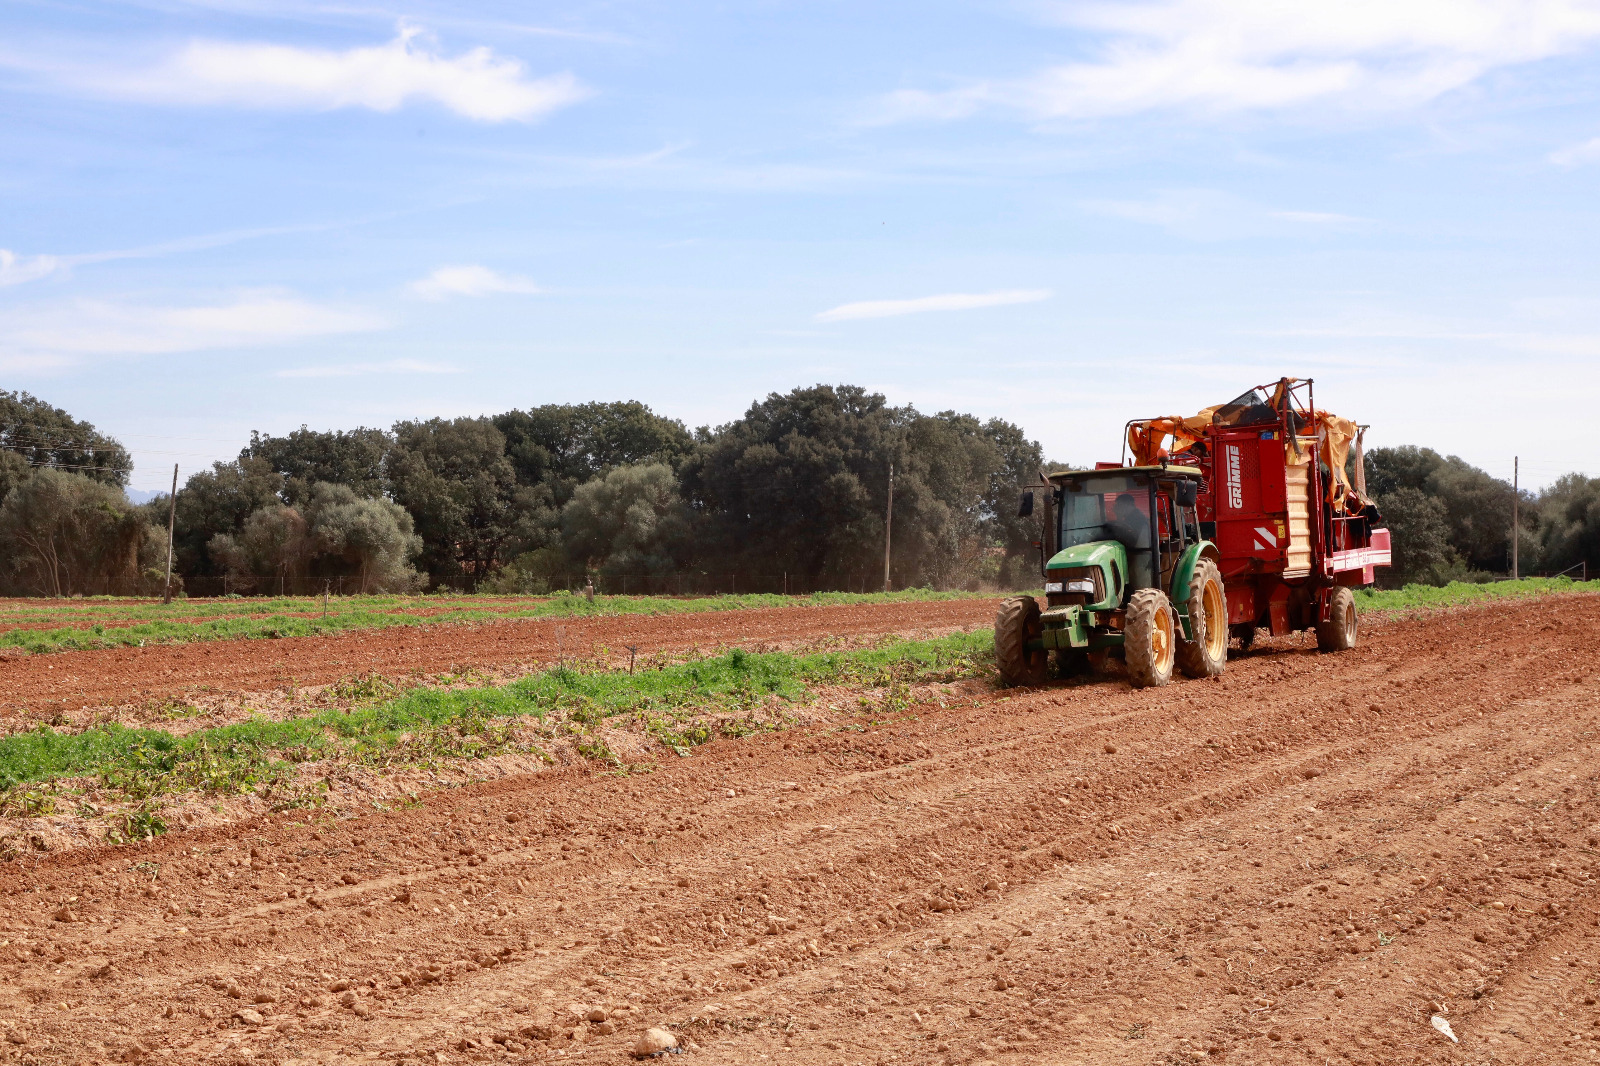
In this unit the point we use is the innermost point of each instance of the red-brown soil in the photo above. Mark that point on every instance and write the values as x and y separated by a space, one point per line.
1301 861
73 680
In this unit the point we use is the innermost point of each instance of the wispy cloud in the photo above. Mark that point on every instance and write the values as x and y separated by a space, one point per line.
476 84
16 269
82 329
950 301
1209 215
1574 155
348 370
1239 55
470 280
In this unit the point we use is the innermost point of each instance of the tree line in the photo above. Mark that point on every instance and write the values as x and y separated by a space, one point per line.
1451 521
793 495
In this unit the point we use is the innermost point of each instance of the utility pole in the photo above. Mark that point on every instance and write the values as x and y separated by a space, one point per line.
1516 500
172 522
888 528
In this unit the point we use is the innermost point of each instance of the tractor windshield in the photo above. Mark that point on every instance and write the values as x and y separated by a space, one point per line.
1105 507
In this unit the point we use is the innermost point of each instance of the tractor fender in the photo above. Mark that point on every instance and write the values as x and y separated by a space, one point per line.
1183 574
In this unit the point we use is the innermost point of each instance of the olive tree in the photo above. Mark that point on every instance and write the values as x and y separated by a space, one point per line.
273 544
631 521
375 539
67 535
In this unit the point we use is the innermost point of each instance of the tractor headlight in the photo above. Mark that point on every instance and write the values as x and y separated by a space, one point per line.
1052 586
1081 584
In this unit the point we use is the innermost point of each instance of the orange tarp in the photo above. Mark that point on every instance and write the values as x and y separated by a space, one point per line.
1147 440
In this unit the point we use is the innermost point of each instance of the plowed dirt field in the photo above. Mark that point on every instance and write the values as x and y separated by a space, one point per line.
1302 861
74 680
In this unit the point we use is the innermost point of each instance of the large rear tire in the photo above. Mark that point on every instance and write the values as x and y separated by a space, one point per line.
1338 633
1016 623
1150 639
1207 654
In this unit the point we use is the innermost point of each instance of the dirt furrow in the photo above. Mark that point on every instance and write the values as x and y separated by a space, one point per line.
1300 861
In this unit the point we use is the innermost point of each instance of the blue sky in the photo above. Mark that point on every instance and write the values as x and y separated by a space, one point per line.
226 216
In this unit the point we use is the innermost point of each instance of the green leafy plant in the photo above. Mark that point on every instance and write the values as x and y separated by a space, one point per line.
143 822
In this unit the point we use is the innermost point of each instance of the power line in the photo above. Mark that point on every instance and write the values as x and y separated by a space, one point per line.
74 466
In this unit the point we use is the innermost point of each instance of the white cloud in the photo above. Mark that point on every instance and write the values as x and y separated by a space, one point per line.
476 84
950 301
470 280
1208 215
1233 55
88 328
1574 155
15 269
346 370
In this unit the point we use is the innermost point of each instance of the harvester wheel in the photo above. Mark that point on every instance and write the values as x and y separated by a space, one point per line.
1016 623
1338 633
1207 654
1150 638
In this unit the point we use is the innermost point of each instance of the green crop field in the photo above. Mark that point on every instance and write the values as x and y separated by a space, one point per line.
38 627
1457 593
109 623
381 724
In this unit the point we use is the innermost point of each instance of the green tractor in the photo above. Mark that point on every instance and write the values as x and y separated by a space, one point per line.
1129 572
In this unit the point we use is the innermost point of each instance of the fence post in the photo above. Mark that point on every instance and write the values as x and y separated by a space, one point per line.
172 522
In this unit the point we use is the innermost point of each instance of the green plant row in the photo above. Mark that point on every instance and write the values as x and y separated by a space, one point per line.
361 613
425 723
1457 593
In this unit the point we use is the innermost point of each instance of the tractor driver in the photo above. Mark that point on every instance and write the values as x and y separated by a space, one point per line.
1131 526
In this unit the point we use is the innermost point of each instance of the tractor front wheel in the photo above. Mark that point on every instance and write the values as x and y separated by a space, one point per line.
1015 624
1150 638
1338 633
1207 654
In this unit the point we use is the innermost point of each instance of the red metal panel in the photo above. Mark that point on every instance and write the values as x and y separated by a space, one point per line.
1270 448
1241 603
1248 500
1278 610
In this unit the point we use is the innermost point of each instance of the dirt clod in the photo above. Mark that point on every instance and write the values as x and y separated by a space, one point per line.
654 1042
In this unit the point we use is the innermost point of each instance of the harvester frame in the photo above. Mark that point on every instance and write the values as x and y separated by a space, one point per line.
1272 512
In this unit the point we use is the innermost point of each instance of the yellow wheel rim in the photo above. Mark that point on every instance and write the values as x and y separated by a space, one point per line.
1216 620
1161 639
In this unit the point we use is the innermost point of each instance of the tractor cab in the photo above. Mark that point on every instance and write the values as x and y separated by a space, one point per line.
1132 524
1128 569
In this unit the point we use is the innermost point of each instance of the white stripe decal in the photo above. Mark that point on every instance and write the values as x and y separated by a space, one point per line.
1266 535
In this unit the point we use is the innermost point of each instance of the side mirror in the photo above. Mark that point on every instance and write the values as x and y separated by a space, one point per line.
1188 493
1025 505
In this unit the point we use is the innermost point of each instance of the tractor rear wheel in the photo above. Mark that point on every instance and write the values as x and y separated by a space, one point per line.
1207 654
1338 633
1150 638
1016 623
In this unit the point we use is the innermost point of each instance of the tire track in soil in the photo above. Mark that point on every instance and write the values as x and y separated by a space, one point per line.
73 680
1075 874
